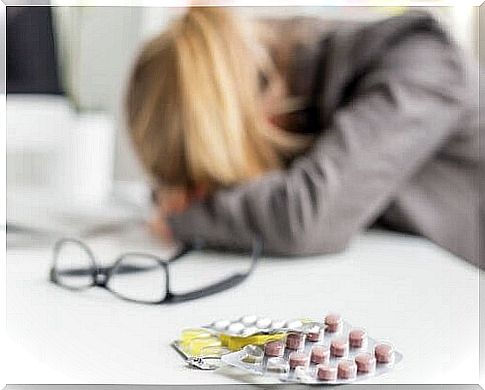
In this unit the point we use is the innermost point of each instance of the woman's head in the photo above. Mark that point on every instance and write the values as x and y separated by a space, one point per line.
196 104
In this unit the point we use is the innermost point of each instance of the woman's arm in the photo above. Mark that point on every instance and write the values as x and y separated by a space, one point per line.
401 114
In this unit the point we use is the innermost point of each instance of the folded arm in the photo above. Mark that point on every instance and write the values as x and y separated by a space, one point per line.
400 115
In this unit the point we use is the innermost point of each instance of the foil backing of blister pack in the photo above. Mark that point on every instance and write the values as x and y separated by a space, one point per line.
308 374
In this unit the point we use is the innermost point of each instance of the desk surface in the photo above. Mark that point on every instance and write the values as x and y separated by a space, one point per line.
403 289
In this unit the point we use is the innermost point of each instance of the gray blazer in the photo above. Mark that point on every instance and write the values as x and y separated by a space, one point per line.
396 114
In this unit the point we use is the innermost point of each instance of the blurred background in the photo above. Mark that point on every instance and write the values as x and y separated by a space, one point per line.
68 153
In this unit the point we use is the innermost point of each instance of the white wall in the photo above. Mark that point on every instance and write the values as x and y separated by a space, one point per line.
96 46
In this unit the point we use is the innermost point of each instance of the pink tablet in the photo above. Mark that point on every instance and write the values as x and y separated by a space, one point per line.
333 322
384 353
298 359
357 338
326 372
274 348
366 362
347 369
295 340
320 354
339 347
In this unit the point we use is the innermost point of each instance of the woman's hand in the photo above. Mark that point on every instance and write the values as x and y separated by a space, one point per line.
171 201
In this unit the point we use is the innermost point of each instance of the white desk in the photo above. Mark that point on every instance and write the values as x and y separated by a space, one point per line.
400 288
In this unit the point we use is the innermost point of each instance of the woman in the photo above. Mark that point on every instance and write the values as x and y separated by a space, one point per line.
305 133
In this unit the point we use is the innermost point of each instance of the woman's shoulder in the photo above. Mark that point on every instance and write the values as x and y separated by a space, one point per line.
346 46
347 52
310 32
350 48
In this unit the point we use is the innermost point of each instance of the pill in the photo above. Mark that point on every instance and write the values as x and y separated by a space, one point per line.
314 333
295 340
333 322
221 325
326 372
357 338
339 347
248 320
235 328
274 348
294 324
298 359
277 365
320 354
384 353
278 324
366 362
250 331
347 369
263 323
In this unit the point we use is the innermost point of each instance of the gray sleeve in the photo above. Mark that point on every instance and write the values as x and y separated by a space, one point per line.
402 113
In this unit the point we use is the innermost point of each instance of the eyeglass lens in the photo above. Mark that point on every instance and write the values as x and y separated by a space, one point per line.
139 278
74 266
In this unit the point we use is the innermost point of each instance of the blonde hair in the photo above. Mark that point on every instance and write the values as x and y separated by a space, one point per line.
194 104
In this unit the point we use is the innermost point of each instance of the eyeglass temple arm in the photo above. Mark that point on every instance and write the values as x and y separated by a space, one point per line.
224 284
212 289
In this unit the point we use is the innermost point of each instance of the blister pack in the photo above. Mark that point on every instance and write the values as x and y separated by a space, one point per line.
303 350
330 352
250 325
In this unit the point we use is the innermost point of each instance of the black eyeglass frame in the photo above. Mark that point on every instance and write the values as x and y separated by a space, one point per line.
101 275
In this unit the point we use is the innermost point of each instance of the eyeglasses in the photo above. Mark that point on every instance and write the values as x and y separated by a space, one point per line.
136 277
